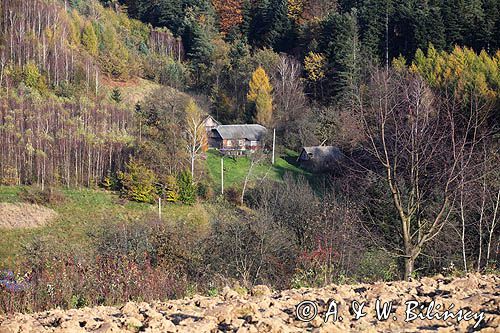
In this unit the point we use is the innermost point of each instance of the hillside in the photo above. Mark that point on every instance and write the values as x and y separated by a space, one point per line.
266 311
73 217
116 115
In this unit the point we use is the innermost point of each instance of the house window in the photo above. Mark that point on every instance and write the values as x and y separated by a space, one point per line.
254 143
229 143
241 143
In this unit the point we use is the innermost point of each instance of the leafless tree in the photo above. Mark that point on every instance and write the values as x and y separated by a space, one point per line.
422 146
255 159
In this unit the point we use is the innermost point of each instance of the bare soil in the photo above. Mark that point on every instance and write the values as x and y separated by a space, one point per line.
23 215
264 310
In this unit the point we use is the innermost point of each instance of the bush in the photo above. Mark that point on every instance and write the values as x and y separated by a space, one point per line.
171 189
138 183
233 195
111 182
35 195
205 191
377 265
125 262
268 249
187 188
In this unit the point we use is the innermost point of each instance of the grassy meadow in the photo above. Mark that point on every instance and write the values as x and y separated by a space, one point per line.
236 169
80 214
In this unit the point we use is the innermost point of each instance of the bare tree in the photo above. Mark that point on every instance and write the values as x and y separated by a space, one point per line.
195 131
422 146
255 159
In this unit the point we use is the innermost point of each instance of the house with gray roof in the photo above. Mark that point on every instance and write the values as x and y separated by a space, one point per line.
319 158
238 139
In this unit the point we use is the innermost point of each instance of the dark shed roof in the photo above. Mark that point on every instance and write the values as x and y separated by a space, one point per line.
321 153
249 132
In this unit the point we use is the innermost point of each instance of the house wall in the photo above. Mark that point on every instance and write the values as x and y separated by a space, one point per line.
210 124
240 145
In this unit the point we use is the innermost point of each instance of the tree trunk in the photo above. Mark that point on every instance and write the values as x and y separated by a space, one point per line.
409 266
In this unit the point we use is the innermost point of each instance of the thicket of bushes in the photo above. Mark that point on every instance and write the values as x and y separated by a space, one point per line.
298 239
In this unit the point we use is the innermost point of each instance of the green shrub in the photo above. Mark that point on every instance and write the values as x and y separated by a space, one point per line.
187 188
111 182
32 77
172 189
138 183
377 265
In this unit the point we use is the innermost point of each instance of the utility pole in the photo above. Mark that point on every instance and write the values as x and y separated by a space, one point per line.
274 144
159 207
222 173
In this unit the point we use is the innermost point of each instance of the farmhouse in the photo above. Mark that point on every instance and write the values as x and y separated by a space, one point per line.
210 123
237 139
319 158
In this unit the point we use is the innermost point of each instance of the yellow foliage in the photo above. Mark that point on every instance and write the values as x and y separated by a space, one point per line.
399 63
196 130
295 9
260 93
463 68
314 64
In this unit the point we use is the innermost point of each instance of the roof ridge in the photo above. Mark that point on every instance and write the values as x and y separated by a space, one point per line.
242 125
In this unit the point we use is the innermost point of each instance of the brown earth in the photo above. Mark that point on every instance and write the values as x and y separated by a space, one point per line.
23 215
267 311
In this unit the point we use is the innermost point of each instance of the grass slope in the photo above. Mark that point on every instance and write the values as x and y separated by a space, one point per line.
236 169
82 211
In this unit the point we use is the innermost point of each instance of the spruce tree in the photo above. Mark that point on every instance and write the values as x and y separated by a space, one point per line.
341 45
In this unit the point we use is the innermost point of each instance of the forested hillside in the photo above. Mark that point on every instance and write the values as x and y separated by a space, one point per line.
111 96
59 122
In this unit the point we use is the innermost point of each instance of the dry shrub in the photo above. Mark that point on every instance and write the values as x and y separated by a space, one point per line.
38 196
233 195
125 265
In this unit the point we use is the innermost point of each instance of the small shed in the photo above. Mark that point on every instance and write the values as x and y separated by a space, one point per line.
319 158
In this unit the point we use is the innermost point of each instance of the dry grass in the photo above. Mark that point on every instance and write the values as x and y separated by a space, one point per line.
22 215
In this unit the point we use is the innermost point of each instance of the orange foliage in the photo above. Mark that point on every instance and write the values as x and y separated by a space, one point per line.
230 13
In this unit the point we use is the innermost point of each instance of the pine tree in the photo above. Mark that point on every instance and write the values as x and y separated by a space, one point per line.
271 25
116 95
187 188
374 20
260 93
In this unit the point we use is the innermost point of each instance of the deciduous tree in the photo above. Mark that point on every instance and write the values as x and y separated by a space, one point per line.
260 93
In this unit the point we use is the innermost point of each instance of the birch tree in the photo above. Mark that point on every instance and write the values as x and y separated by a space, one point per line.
195 132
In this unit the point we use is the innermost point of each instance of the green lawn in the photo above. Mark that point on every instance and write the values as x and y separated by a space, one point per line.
82 211
236 169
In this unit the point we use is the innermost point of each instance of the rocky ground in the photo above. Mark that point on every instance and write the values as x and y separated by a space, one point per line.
476 298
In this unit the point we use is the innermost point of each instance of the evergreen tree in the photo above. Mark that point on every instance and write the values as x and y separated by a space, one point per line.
341 45
116 96
374 22
271 25
198 46
187 188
